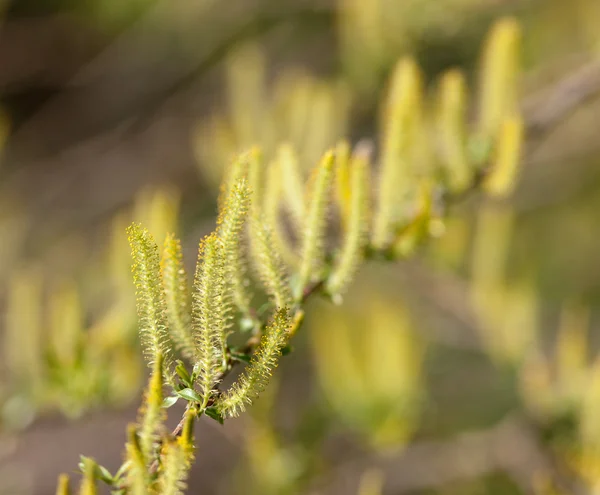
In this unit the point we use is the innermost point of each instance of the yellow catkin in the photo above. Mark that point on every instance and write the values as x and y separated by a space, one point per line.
313 235
151 305
232 217
402 121
63 487
269 264
152 413
210 313
355 237
497 85
177 296
256 376
502 174
451 124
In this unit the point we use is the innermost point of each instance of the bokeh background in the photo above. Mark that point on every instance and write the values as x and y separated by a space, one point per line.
470 368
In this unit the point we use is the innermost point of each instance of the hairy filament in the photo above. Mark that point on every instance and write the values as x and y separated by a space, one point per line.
174 469
269 264
152 413
397 177
451 125
256 376
315 223
357 227
177 296
210 313
151 305
137 474
234 210
270 211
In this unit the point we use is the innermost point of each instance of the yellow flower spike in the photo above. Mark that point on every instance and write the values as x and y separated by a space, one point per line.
292 182
337 362
211 308
174 469
501 177
158 210
23 352
230 230
451 125
66 324
88 483
313 234
271 210
137 474
293 96
357 228
322 126
152 414
499 71
256 172
572 348
342 180
402 121
257 374
246 83
269 264
64 486
186 439
177 296
150 296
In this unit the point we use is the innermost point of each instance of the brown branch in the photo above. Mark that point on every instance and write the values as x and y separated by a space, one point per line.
550 106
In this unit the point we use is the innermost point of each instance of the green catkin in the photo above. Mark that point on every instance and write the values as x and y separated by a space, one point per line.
88 483
210 314
270 212
174 469
313 238
499 71
152 413
452 129
137 473
357 228
256 376
232 216
397 177
269 264
64 485
177 296
151 305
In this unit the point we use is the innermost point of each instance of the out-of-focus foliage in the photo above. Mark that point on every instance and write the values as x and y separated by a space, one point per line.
60 356
295 109
369 362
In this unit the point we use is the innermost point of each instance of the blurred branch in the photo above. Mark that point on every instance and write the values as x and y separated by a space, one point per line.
550 106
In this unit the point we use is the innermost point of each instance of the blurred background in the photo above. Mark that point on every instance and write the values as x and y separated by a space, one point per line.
470 368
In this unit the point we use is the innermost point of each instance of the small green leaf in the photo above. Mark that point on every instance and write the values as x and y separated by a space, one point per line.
104 475
212 412
183 373
238 356
190 395
169 401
